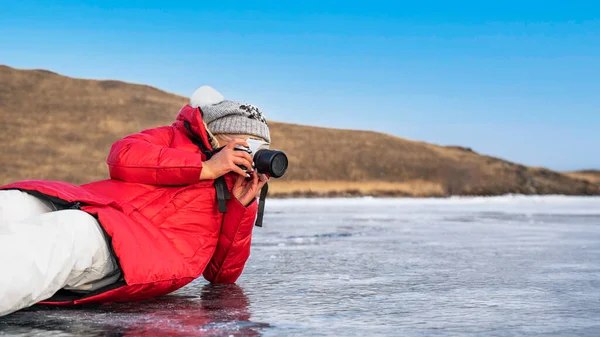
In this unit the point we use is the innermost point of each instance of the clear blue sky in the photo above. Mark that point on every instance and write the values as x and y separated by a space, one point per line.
515 79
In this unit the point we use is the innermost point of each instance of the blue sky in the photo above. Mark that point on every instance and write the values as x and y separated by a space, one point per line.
514 79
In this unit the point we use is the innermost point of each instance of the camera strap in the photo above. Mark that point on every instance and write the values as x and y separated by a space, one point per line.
261 205
220 185
222 193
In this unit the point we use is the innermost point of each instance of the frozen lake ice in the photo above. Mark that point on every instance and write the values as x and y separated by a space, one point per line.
501 266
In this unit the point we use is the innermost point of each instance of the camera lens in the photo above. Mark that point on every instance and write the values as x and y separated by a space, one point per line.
271 162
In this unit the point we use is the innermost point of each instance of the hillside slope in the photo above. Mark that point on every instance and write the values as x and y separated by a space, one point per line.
56 127
592 176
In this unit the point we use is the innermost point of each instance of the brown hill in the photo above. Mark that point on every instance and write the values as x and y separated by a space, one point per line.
592 176
56 127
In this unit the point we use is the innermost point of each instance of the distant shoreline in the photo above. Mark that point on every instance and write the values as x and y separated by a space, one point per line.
337 195
381 189
453 197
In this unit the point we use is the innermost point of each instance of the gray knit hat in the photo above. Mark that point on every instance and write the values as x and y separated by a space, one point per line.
224 116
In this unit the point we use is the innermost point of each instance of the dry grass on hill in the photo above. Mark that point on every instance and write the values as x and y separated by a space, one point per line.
593 176
316 188
56 127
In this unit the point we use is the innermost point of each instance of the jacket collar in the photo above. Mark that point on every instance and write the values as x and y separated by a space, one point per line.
193 116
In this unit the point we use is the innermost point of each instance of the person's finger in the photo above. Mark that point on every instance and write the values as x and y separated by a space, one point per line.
244 162
254 180
262 181
239 181
239 171
250 181
235 142
243 154
247 185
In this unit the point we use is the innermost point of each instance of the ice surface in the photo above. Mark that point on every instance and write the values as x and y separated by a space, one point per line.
503 266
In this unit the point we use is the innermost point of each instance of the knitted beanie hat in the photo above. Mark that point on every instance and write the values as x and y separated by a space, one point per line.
224 116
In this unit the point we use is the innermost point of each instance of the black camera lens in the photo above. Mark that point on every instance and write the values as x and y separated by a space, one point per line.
271 162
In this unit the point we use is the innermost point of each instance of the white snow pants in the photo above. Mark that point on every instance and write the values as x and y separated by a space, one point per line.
43 251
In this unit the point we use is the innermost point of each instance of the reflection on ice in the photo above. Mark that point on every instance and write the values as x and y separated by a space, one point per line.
218 310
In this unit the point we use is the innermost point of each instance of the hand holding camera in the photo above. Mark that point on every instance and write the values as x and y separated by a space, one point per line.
255 164
228 159
270 162
247 190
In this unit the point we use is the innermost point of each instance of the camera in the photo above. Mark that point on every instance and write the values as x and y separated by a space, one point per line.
273 163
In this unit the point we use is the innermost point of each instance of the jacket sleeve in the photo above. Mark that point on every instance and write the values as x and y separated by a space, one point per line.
147 158
233 248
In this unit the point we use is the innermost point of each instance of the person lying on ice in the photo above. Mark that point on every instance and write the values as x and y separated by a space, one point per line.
173 209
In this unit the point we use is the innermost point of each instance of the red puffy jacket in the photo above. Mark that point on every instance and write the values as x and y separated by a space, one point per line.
163 222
